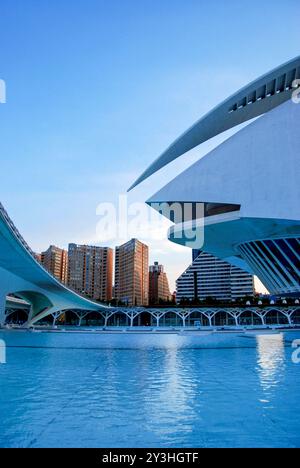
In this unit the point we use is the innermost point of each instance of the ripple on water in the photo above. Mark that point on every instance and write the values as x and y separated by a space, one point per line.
151 397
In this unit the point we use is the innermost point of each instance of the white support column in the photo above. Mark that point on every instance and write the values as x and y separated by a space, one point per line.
81 316
131 318
184 315
158 316
106 317
237 318
34 319
55 316
291 321
288 316
30 314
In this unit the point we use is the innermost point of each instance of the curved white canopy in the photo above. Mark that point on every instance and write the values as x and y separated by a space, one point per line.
253 100
22 274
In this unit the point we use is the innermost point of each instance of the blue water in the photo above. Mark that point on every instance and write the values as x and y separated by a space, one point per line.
148 391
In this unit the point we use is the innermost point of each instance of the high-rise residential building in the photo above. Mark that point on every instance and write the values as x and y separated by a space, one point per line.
90 271
210 277
131 273
38 256
158 284
55 260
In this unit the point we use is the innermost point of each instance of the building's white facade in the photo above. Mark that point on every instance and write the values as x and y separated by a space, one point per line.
248 185
210 277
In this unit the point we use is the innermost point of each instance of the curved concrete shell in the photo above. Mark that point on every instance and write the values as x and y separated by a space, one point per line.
24 276
257 170
253 100
250 192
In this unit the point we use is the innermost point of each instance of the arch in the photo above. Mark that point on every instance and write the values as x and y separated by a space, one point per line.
275 317
118 319
143 319
94 318
39 301
295 316
16 316
222 318
197 316
171 319
70 317
250 317
60 318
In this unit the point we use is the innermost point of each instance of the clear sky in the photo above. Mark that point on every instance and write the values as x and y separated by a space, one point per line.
97 89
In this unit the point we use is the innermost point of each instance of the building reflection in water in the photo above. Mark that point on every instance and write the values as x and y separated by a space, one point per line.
170 400
270 362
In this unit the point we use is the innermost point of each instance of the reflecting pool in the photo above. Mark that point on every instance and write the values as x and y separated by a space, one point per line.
148 391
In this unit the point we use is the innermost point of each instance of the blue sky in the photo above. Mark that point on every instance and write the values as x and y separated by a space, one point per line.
96 90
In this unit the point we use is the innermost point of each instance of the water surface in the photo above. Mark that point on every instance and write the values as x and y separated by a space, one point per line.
169 393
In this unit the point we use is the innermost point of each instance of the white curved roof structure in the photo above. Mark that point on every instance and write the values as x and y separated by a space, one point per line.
23 275
248 186
249 170
255 99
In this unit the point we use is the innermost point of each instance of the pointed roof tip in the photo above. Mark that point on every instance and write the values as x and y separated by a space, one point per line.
256 98
140 179
132 186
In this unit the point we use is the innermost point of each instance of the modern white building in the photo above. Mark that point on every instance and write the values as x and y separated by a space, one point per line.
210 277
23 276
249 185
